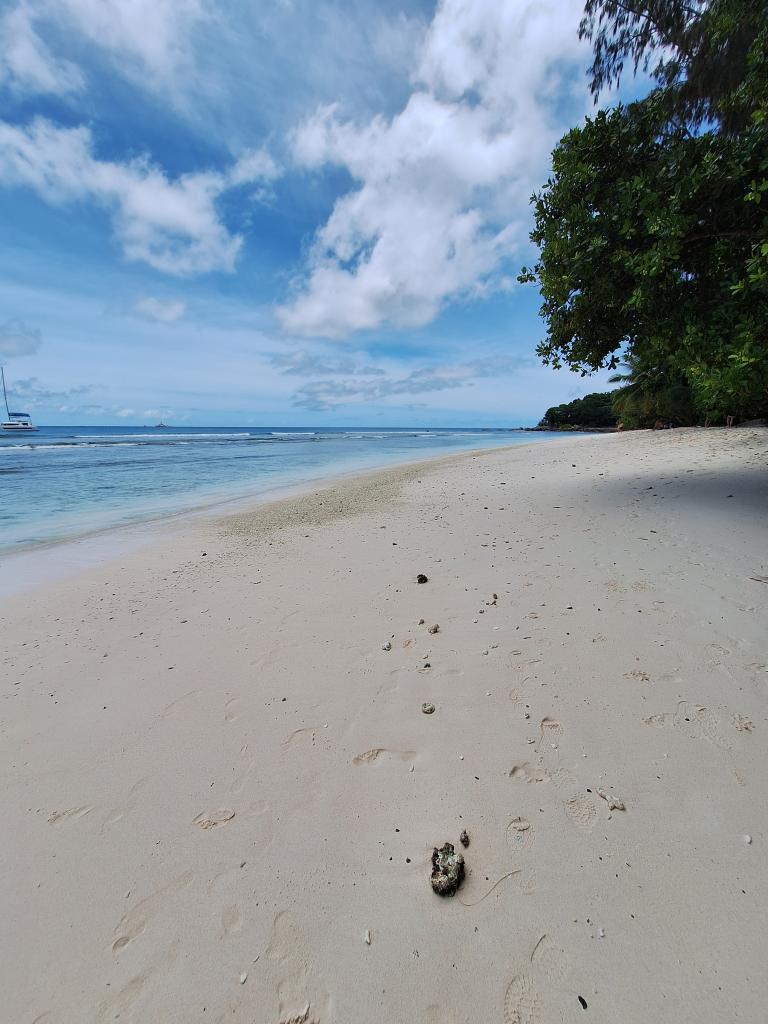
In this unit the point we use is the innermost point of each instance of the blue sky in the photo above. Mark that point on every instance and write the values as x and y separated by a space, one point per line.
283 212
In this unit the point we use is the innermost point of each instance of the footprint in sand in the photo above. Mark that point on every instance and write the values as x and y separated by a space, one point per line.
579 809
231 920
522 1003
520 835
246 770
307 735
435 1014
695 720
301 994
538 994
551 959
62 819
742 723
528 772
551 729
171 709
383 753
133 923
214 819
118 813
116 1005
232 709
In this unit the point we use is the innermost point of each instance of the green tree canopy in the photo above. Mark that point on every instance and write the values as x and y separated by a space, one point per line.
707 56
595 410
652 238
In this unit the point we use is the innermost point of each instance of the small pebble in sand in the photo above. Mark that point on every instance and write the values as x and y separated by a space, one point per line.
367 937
464 839
434 629
748 840
243 978
386 646
421 578
421 622
601 933
427 708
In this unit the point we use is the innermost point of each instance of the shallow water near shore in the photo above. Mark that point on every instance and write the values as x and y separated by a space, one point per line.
67 481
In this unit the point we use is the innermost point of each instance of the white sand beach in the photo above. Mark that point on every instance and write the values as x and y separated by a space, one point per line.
220 794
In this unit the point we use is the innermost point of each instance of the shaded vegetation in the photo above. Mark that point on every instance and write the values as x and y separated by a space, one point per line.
592 411
653 227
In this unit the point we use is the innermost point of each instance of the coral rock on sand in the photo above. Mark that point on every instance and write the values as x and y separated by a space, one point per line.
428 708
447 870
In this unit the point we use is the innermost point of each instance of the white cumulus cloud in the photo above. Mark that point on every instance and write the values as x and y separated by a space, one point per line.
151 36
16 339
148 41
164 311
170 223
322 395
26 63
441 189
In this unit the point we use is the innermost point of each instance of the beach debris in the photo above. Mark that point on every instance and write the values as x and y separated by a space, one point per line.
434 629
428 708
421 622
464 838
387 645
493 600
447 870
421 578
243 978
614 804
367 936
748 840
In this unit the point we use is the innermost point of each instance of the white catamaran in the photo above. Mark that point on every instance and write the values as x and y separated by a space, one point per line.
17 421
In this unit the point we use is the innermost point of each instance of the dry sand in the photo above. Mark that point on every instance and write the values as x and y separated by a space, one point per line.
218 784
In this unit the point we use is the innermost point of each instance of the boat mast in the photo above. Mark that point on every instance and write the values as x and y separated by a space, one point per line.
5 394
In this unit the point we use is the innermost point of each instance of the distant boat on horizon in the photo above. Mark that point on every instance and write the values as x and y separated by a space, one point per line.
161 426
17 421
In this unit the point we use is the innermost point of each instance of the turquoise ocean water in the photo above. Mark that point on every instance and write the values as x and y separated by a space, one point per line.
68 481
